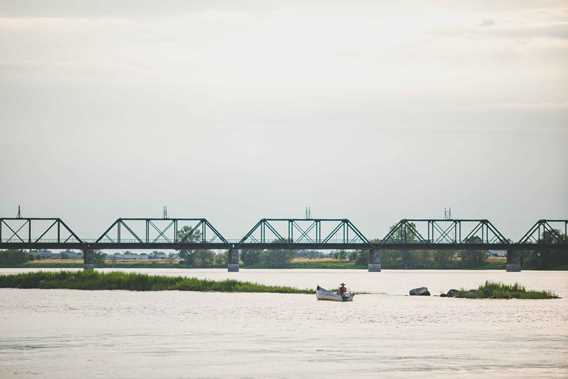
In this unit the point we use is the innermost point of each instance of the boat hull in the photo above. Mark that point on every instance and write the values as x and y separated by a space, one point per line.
323 294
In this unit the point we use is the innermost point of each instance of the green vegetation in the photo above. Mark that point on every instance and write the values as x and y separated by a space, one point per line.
492 290
267 258
14 258
318 265
548 259
305 259
390 259
94 280
73 263
199 258
435 259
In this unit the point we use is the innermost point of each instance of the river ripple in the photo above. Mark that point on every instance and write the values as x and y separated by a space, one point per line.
92 334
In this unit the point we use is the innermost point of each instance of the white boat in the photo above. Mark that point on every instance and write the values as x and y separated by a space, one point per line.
323 294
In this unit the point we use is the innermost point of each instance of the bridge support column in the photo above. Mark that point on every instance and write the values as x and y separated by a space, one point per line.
374 260
88 260
513 261
234 260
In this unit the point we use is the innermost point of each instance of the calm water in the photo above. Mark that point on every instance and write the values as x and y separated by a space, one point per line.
120 334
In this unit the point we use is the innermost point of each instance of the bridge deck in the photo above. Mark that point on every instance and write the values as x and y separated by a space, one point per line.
280 246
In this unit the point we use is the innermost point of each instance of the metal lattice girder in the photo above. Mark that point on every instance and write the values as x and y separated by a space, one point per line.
161 230
198 233
444 231
36 230
304 231
547 232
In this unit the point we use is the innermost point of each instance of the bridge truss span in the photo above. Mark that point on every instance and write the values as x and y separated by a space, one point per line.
280 233
314 233
161 231
552 232
38 230
445 232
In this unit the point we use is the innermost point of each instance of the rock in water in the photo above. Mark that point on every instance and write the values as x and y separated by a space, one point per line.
421 291
452 293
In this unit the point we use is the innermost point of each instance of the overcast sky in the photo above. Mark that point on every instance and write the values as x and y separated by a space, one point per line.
238 110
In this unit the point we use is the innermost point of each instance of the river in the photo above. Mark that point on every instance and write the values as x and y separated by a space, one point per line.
121 334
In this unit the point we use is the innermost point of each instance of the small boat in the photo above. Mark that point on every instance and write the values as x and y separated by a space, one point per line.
323 294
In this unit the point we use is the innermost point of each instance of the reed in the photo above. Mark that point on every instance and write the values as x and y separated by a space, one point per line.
93 280
493 290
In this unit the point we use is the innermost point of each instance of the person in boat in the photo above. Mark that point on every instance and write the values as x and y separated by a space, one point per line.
342 289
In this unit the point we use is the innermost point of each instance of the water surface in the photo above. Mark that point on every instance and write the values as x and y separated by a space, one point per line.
93 334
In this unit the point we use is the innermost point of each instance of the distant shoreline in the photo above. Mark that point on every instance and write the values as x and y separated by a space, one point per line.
294 266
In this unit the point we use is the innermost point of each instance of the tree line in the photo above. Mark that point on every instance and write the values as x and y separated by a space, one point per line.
390 259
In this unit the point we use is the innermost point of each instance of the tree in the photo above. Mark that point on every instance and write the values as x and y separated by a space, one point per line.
391 258
443 258
410 235
408 258
250 257
277 258
100 257
548 259
341 255
359 257
188 234
473 258
14 257
221 259
202 258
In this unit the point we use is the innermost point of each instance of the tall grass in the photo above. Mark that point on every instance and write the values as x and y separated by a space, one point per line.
93 280
493 290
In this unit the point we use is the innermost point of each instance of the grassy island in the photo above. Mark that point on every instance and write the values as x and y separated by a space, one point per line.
93 280
492 290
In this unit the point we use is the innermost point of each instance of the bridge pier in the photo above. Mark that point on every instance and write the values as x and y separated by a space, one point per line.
88 260
513 261
374 260
233 260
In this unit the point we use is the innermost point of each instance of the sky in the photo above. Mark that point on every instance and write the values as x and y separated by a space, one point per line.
241 110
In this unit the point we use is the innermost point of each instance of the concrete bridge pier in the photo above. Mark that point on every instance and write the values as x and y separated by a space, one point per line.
88 260
374 260
513 261
233 260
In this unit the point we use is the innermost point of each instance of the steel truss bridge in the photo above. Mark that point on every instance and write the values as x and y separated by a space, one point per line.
281 233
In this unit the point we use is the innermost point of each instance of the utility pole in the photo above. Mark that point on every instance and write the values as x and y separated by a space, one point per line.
165 212
19 212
